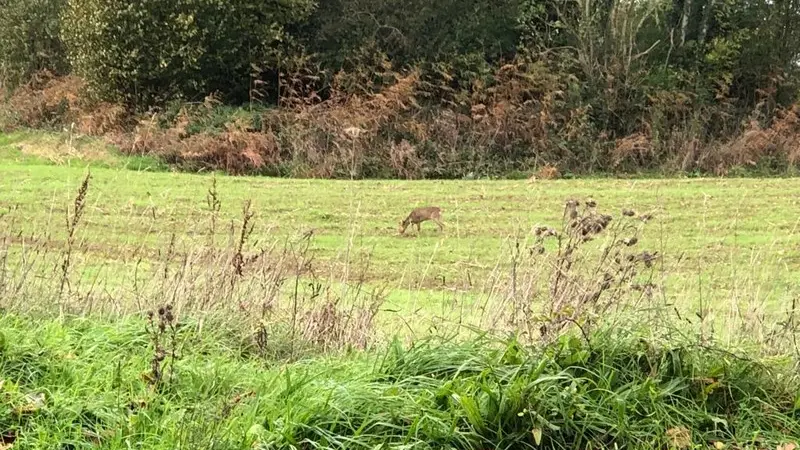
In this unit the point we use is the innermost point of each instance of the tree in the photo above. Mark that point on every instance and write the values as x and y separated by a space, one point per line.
146 51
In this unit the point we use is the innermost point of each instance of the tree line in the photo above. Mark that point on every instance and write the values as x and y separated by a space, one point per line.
587 84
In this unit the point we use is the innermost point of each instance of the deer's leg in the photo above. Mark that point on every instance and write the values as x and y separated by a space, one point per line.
439 222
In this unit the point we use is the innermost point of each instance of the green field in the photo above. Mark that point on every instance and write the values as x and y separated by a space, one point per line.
723 240
77 367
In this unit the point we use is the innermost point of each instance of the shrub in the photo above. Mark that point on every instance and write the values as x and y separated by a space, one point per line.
47 101
44 101
145 52
29 40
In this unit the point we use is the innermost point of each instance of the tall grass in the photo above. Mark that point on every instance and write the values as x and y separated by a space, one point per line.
87 383
245 344
269 290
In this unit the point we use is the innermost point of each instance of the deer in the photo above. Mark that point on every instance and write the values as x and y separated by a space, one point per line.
420 215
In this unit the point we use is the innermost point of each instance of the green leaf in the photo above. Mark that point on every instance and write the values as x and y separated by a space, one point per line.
472 412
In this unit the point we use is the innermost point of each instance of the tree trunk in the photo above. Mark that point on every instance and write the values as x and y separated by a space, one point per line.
687 11
707 12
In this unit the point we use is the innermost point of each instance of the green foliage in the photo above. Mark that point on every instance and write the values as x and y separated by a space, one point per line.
80 382
146 52
412 31
30 40
503 86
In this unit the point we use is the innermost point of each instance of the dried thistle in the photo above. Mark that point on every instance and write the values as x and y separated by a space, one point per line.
578 299
647 258
571 209
162 331
631 241
245 231
214 206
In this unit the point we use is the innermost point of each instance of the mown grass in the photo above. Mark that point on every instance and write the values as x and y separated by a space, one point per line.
724 240
68 149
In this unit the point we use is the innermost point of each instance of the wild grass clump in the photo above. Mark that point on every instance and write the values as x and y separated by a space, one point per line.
616 392
615 389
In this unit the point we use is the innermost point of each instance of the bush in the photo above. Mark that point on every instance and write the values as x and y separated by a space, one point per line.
145 52
29 40
46 101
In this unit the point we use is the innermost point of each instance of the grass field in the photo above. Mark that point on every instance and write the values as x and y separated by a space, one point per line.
729 251
723 240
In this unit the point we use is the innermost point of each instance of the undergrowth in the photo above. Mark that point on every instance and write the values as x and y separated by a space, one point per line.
521 127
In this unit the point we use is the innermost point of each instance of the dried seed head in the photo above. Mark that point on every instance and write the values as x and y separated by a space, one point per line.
571 208
161 311
628 212
169 317
645 217
591 203
607 279
630 241
648 259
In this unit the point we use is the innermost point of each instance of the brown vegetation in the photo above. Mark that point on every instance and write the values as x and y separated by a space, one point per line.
515 126
49 101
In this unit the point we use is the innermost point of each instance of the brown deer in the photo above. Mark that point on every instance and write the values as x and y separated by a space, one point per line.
420 215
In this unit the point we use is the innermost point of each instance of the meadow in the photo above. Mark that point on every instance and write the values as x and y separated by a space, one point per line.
176 310
723 240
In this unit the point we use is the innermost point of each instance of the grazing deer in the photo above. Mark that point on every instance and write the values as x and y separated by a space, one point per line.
420 215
